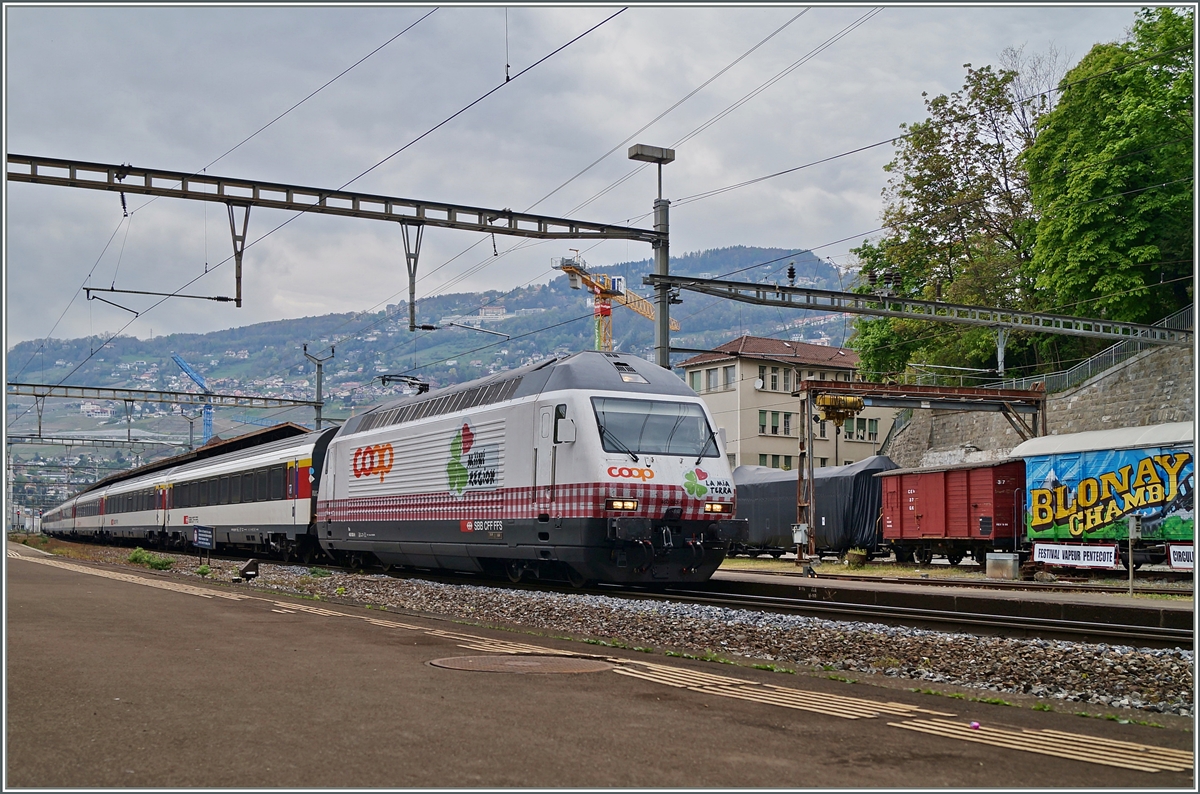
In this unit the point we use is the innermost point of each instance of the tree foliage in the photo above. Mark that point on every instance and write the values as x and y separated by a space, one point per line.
1026 191
1111 172
960 222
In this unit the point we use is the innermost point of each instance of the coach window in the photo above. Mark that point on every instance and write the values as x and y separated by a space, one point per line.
260 485
214 491
235 489
201 487
225 490
248 486
277 486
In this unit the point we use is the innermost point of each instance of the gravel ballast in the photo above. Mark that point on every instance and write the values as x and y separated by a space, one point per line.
1155 680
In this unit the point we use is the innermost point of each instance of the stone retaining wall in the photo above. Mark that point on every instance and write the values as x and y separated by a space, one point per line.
1153 387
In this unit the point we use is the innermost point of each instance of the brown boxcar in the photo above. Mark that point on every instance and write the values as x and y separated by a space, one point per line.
971 508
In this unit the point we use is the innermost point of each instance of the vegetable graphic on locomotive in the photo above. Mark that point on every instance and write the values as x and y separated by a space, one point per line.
592 467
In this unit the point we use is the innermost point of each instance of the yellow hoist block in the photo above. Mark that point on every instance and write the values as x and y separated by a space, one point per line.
837 408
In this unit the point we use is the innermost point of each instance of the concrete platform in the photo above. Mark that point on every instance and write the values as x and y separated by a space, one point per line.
119 677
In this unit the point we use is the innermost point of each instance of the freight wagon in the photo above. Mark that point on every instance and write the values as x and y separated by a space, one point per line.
966 509
1083 487
846 513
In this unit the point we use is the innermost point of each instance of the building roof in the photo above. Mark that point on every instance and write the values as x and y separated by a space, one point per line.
794 353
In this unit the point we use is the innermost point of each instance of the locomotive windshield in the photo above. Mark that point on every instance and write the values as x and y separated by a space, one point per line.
654 427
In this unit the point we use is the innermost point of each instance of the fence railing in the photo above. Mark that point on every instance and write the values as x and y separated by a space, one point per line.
1104 360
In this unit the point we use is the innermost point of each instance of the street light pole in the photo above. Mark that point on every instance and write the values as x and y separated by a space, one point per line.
662 252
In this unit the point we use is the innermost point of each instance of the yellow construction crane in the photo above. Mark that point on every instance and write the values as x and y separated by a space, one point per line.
605 289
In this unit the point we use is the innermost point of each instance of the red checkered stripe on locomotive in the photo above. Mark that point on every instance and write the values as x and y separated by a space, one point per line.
576 500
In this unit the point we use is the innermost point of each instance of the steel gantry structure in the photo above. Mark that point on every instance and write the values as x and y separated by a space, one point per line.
1003 320
241 194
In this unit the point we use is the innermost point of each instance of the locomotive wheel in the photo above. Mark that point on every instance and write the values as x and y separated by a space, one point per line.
955 557
515 571
575 578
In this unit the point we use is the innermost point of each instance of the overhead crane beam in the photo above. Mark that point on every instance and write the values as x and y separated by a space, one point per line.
911 309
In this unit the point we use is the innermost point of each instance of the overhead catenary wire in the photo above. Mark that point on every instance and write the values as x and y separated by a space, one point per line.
218 159
351 181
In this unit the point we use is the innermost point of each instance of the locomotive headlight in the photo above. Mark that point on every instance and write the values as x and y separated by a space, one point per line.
620 504
718 507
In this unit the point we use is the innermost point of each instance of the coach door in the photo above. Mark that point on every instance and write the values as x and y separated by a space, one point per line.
544 455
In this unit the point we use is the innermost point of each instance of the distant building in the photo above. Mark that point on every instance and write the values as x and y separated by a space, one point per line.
748 384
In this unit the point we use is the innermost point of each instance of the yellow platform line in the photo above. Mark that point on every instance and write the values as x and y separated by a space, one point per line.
1182 756
771 694
1099 752
126 577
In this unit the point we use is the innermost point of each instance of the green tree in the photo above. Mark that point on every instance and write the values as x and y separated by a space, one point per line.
1111 176
960 224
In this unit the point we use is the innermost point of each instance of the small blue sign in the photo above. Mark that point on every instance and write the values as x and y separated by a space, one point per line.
202 537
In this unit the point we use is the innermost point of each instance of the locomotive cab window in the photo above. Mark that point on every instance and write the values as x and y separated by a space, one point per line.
654 427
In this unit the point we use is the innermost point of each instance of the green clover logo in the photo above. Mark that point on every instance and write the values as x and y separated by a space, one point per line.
456 472
693 486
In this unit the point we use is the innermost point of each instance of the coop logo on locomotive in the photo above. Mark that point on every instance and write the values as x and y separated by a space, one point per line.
628 473
372 460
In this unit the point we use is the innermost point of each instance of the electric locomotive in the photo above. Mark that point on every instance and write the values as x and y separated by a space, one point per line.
593 467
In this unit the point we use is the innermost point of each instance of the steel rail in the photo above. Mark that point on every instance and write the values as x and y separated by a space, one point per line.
1029 626
992 584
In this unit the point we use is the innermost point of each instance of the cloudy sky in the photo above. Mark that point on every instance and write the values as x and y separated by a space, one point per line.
175 88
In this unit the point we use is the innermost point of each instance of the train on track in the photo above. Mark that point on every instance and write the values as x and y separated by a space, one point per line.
590 467
1051 495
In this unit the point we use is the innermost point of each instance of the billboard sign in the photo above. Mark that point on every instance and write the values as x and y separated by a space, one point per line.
1089 496
1076 555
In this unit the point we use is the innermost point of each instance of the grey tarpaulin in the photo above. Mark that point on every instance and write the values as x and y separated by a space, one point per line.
849 499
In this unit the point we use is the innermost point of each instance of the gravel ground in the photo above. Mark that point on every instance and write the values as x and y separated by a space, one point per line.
1111 675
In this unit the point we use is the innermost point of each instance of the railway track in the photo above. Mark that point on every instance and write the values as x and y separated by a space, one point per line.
1008 625
992 584
806 598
